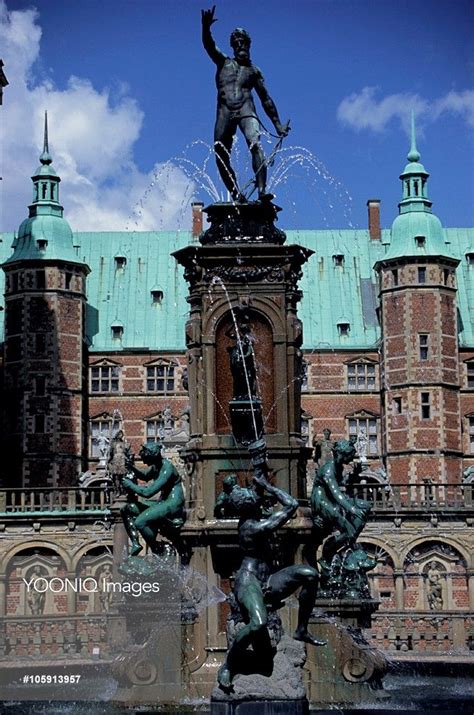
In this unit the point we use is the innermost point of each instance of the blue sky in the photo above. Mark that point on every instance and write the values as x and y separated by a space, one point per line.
128 88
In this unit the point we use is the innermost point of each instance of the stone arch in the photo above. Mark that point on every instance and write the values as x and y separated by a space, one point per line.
29 576
63 553
382 577
435 576
264 306
262 333
93 564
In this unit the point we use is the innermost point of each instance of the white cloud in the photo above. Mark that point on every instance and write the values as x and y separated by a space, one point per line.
91 140
365 110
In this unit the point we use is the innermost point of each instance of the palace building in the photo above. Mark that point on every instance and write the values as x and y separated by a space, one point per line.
94 340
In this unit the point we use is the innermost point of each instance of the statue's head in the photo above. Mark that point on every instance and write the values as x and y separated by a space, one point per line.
240 43
344 451
245 502
326 433
119 434
150 452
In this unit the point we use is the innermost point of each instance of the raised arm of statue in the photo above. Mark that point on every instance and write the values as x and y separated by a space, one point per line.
208 19
279 518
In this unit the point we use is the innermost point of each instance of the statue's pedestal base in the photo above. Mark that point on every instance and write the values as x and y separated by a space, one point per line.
243 223
246 420
282 692
348 669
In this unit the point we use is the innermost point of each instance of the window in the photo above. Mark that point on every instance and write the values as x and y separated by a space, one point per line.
305 429
397 405
304 376
361 376
155 429
338 259
425 406
422 275
420 241
40 343
368 427
40 385
471 435
105 378
40 280
38 424
99 437
470 374
446 274
160 378
343 329
156 295
470 258
67 280
117 332
42 244
120 262
395 277
423 339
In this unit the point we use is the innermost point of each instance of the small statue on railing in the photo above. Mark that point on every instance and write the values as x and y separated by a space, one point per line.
323 448
258 587
338 519
236 77
120 454
146 517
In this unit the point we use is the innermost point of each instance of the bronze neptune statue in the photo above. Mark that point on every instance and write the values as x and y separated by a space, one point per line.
236 77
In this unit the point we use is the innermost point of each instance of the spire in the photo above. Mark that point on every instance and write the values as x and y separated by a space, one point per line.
45 182
413 154
414 179
45 157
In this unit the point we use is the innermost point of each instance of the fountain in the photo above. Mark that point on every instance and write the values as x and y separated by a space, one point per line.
243 340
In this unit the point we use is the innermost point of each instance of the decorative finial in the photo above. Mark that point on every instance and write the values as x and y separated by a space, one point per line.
45 157
413 154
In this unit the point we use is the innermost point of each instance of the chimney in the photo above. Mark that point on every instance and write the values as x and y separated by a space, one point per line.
373 206
197 207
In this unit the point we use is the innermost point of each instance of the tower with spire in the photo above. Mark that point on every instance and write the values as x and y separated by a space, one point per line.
419 364
45 350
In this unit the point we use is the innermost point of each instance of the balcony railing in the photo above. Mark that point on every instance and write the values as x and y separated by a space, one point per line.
43 500
415 497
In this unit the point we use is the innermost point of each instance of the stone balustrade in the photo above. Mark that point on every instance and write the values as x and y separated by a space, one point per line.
44 500
415 497
427 633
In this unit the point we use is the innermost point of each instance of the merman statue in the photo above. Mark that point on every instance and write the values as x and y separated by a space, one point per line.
144 516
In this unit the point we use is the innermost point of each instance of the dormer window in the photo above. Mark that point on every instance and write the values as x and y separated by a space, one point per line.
343 329
338 259
120 262
117 331
420 241
470 258
156 295
422 274
41 244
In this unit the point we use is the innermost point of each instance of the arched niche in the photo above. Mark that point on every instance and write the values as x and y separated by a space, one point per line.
261 332
435 577
381 578
94 567
28 578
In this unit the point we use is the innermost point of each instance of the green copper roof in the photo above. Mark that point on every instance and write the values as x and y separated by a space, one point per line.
45 234
416 231
127 292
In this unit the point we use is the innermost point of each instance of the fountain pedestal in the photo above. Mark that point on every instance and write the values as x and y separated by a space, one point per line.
348 669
